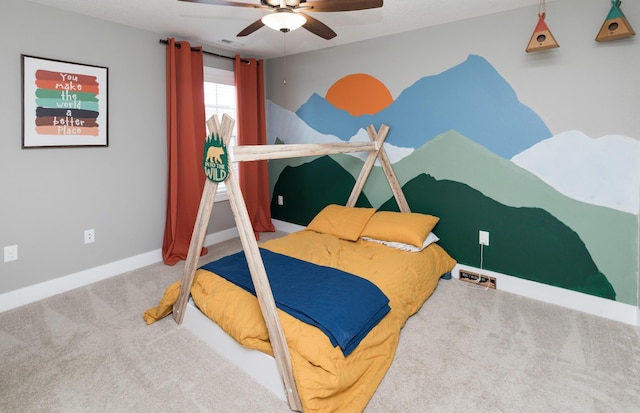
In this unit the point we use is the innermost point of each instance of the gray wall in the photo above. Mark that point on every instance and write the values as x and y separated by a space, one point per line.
50 196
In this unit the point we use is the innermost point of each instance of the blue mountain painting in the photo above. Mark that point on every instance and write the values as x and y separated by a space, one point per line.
471 98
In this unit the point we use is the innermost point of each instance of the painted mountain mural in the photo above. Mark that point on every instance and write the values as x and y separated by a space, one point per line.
471 98
531 237
462 215
545 199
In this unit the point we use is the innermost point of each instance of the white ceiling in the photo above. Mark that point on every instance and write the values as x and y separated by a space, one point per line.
203 24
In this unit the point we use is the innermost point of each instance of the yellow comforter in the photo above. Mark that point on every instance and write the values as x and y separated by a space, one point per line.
326 380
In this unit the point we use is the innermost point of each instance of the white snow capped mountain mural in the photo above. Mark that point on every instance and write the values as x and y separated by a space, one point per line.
289 128
604 171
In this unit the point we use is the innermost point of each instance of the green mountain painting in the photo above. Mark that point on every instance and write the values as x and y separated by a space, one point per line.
526 242
308 188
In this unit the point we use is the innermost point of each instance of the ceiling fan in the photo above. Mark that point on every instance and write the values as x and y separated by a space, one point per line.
287 15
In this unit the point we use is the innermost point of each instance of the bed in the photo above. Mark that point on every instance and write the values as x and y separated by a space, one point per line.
327 380
396 252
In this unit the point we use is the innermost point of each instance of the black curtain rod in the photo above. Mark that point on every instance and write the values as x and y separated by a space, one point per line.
163 41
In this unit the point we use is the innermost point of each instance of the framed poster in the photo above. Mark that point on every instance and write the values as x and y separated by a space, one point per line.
64 104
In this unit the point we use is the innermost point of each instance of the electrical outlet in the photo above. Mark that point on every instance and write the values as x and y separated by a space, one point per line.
483 238
10 253
89 236
280 200
481 280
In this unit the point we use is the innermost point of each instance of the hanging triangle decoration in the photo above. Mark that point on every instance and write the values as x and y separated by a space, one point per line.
542 38
616 26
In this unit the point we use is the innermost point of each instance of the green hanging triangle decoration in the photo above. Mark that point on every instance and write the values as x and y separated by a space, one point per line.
616 26
215 160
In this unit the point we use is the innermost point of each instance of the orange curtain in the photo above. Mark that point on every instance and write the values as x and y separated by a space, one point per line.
186 133
253 176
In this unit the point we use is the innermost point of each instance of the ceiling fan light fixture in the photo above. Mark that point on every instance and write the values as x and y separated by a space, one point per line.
284 20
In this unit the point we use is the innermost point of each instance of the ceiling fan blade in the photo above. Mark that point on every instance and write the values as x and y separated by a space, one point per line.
251 28
340 5
318 28
224 3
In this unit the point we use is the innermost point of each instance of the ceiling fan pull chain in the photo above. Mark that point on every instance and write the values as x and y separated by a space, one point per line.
284 57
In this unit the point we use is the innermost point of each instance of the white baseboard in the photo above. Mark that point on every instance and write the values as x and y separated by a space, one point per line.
585 303
32 293
286 226
221 236
602 307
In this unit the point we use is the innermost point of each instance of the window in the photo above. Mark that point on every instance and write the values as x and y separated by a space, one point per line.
220 98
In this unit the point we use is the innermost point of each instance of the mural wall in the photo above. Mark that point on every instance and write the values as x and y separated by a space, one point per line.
561 208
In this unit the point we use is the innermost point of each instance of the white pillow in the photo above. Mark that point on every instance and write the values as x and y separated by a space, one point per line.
431 238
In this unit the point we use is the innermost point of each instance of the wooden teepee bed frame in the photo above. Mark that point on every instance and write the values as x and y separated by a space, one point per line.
256 267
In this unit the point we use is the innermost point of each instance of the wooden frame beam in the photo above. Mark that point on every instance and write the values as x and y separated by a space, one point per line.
247 237
267 152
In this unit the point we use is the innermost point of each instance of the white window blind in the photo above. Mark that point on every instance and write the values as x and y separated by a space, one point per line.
220 98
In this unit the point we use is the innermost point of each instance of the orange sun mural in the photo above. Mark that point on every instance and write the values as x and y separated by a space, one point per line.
359 94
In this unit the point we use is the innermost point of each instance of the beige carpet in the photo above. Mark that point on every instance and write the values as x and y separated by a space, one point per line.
467 350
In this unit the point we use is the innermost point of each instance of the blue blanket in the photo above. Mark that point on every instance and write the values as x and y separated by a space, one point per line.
344 306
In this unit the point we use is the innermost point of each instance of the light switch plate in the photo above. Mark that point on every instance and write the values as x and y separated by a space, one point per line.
10 253
483 238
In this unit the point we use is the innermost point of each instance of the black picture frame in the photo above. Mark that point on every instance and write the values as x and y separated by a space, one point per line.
64 104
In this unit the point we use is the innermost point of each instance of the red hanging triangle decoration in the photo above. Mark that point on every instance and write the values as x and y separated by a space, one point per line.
542 38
